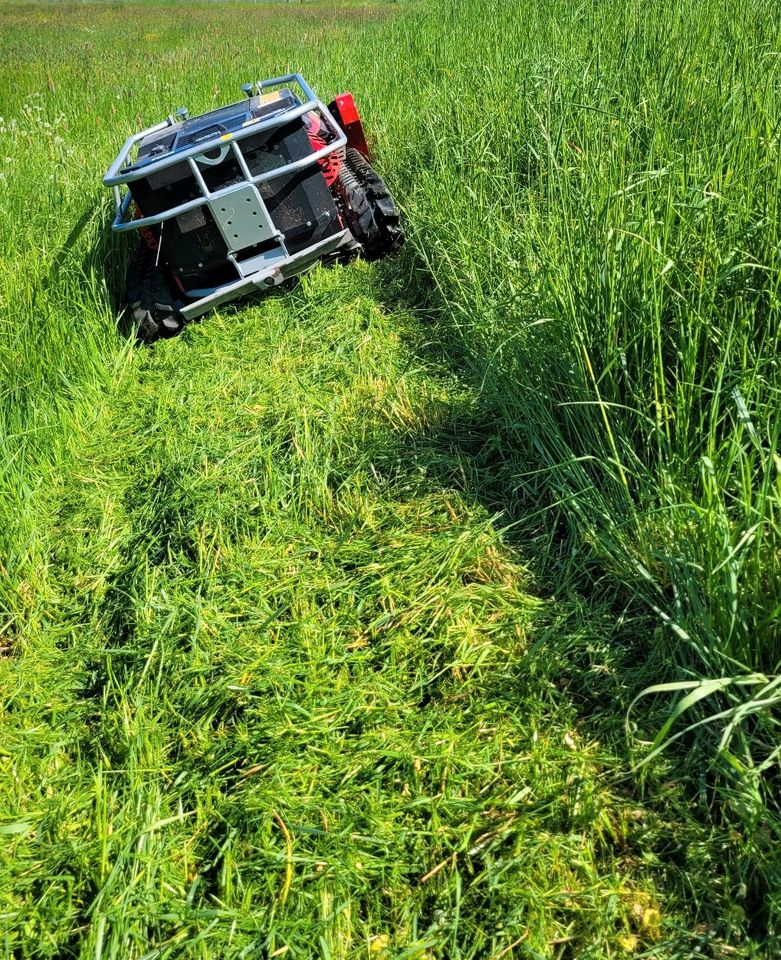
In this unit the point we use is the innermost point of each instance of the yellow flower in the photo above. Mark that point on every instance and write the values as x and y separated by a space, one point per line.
651 921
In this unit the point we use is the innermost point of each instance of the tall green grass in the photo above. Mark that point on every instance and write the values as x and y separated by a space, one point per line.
596 195
252 581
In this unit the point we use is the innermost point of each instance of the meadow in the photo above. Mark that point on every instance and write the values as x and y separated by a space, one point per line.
424 609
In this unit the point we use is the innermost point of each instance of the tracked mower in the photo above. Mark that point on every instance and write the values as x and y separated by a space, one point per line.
244 197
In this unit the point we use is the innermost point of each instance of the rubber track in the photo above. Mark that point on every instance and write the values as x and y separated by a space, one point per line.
154 308
370 211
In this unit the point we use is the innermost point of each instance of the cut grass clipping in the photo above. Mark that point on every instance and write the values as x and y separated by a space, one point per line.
323 625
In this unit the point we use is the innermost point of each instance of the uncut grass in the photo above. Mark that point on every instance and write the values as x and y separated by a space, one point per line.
600 217
280 697
630 254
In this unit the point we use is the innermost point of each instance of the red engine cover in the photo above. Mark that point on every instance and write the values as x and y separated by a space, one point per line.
332 162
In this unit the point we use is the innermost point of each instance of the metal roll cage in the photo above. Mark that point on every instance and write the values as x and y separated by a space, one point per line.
268 268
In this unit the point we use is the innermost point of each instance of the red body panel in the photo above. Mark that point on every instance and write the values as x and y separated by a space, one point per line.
348 118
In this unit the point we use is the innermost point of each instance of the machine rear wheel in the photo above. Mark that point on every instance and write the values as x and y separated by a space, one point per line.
153 306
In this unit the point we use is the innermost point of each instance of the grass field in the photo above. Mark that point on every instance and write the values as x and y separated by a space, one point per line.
353 621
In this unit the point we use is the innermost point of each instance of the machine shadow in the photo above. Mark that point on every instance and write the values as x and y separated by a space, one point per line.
580 646
93 250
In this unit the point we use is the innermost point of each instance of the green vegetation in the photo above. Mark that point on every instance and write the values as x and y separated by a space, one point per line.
321 624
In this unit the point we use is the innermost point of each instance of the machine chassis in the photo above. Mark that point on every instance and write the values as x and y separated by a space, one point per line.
271 267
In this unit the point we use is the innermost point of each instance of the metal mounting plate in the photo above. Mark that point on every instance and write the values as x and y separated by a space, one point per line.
242 217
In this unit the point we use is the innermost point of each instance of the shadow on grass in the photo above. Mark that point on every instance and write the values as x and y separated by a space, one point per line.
586 647
106 256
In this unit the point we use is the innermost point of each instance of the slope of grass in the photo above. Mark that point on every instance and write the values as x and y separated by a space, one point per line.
282 694
280 681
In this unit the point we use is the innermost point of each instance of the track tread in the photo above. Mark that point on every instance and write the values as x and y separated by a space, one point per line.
370 211
153 307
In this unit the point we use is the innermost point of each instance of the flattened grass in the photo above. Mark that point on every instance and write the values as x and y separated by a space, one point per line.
281 696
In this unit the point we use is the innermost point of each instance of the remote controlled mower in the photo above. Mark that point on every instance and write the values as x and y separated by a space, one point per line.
243 198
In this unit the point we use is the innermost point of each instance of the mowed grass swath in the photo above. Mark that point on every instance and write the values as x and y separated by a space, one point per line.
321 623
